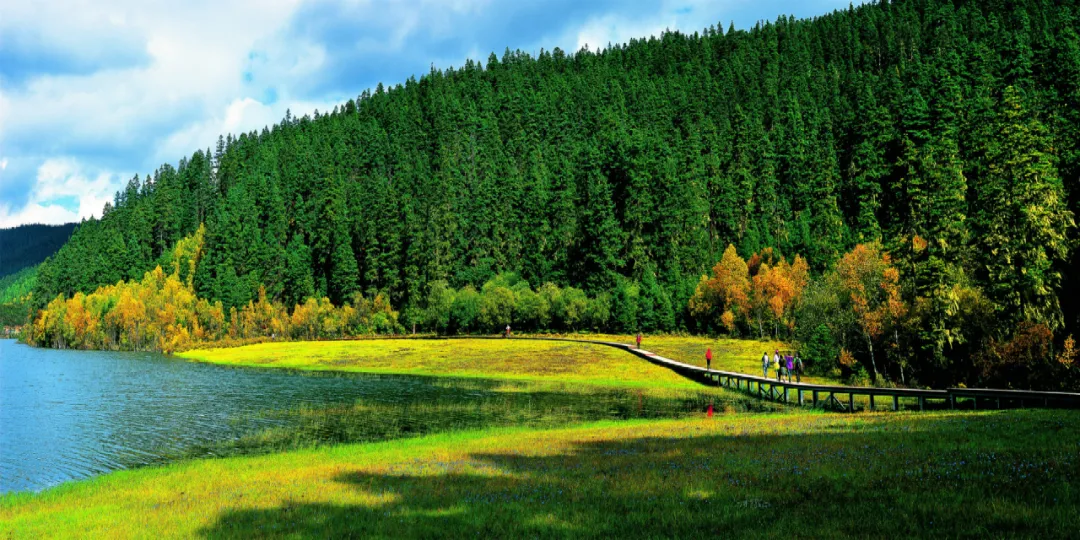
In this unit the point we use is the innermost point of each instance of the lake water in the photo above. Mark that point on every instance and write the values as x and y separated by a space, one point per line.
67 415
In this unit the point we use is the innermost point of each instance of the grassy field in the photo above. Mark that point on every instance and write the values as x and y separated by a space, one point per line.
976 475
506 359
492 358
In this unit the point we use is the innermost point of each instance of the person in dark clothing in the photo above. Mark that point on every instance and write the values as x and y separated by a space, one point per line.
798 368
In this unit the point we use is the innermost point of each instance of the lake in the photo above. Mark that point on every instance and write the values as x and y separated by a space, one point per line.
66 415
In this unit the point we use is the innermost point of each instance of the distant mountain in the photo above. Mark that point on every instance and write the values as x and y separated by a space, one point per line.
28 245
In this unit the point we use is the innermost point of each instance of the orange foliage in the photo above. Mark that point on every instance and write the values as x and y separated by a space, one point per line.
874 288
1067 357
846 358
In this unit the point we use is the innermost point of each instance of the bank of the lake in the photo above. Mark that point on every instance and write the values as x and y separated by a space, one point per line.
66 415
811 475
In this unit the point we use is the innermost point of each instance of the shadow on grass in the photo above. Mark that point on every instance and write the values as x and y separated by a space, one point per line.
1006 474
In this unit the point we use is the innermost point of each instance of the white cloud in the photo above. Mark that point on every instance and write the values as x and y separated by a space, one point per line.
52 214
60 180
195 59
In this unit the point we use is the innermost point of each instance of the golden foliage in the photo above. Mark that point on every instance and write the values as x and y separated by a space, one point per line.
162 313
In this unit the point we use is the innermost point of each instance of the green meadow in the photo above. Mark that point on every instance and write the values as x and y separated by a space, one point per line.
974 475
507 359
578 440
520 359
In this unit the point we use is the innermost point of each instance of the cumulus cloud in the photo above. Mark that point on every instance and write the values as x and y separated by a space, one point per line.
58 183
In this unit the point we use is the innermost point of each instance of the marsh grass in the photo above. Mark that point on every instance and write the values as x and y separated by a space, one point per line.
451 404
986 474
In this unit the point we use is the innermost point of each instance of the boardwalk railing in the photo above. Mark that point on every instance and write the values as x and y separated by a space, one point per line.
843 397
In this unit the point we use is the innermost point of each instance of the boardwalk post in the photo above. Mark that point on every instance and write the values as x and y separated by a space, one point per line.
800 396
952 401
785 394
871 402
851 401
922 402
895 402
815 398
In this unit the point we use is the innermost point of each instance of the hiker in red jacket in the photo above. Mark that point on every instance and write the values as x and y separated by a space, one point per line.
708 359
639 340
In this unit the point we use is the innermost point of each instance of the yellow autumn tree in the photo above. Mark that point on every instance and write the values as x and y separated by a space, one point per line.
725 295
867 277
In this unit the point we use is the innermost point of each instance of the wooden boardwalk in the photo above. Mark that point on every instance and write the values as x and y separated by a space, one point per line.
843 398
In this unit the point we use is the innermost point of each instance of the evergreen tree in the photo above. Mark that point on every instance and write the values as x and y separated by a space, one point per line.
1022 218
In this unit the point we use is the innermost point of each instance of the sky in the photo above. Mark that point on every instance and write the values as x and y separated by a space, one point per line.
93 92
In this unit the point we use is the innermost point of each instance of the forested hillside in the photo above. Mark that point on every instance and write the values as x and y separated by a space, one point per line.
935 142
15 294
28 245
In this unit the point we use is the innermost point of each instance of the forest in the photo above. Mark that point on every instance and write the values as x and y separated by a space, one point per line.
892 186
22 248
27 245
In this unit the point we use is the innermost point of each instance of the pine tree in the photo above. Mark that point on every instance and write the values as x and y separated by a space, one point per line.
1022 219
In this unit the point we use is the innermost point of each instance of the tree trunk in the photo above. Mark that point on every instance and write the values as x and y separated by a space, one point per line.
873 364
896 340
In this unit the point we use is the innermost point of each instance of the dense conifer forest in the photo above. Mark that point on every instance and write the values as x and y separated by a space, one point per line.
28 245
893 186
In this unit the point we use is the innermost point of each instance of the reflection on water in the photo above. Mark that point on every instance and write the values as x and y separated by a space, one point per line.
72 414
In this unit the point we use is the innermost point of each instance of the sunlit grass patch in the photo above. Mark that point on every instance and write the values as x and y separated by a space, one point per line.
810 475
493 358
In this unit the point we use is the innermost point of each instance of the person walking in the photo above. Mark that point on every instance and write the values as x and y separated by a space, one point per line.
639 341
790 366
798 368
765 365
776 363
507 334
708 359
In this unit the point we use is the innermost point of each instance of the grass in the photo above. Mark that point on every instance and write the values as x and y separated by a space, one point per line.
1010 473
494 358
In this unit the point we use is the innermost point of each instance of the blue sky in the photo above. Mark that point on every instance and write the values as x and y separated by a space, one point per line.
93 93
